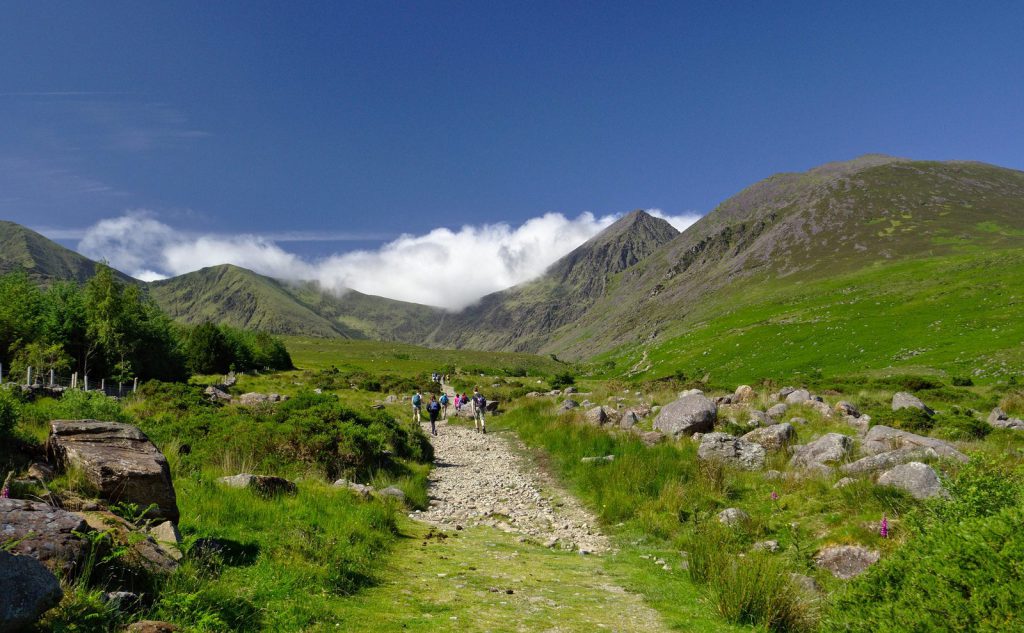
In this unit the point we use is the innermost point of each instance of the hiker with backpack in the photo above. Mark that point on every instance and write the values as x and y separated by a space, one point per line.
417 403
479 406
444 406
433 408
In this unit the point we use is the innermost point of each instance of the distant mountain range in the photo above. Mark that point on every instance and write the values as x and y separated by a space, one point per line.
639 283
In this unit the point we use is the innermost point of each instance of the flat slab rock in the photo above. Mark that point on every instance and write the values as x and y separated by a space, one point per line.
44 533
119 460
846 561
881 439
831 447
735 451
28 588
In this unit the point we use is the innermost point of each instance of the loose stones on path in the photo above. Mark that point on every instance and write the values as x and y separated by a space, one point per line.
479 480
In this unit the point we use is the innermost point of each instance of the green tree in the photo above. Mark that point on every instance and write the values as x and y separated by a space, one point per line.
207 350
21 305
64 320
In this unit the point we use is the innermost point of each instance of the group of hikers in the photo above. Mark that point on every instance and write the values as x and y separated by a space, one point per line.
438 406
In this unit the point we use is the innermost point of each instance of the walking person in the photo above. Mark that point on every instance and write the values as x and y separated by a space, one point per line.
479 406
433 408
417 404
444 406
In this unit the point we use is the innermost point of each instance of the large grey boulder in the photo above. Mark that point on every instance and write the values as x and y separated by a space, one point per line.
629 419
846 561
831 447
689 414
27 590
216 395
888 459
798 396
772 438
168 537
775 412
596 416
263 484
734 451
904 400
1000 420
916 478
43 532
881 439
568 404
119 460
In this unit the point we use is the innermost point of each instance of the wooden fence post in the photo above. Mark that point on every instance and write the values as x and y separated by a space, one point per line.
28 375
135 384
51 377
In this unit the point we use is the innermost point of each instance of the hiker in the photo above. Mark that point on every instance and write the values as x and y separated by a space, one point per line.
417 403
433 408
479 405
444 406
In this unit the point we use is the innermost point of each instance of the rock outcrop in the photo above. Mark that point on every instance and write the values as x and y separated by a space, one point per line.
831 447
734 451
773 438
119 460
846 561
904 400
1000 420
44 533
886 460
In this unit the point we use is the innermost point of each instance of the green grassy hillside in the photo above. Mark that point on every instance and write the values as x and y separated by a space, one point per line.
42 259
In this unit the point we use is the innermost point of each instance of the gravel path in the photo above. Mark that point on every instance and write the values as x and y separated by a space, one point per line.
481 479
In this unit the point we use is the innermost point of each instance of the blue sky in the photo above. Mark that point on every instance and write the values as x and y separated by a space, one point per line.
354 122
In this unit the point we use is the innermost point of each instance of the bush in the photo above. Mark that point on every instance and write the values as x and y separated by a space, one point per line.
956 576
9 411
962 381
962 426
562 380
914 420
980 488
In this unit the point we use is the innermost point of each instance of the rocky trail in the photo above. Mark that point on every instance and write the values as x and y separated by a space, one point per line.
501 548
482 479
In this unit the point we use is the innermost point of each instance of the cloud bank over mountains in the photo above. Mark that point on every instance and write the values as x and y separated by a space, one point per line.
444 267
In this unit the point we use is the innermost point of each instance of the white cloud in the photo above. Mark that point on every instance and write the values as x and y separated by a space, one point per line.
445 267
679 222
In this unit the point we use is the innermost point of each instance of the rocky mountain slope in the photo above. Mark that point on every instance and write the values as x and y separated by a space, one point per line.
42 259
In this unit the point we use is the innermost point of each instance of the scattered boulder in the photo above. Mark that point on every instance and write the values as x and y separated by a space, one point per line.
862 423
1000 420
844 482
831 447
731 450
777 411
649 438
629 419
744 393
44 533
916 478
569 404
142 553
492 406
888 459
40 471
733 517
798 396
216 395
168 537
570 390
772 438
360 489
253 398
691 413
904 400
596 416
29 590
765 546
393 492
757 418
151 626
822 408
267 485
119 460
845 408
785 391
881 439
846 561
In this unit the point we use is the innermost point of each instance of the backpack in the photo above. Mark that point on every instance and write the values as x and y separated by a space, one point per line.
433 406
479 401
416 400
444 399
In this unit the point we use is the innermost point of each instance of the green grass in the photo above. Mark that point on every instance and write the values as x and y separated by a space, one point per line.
954 315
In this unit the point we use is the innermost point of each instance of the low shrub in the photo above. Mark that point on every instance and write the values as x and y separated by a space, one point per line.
914 420
962 381
10 409
960 425
562 380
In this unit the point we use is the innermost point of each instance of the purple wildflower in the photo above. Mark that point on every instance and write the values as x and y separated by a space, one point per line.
883 529
775 496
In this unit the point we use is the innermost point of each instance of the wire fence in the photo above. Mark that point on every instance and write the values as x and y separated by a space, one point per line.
57 381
